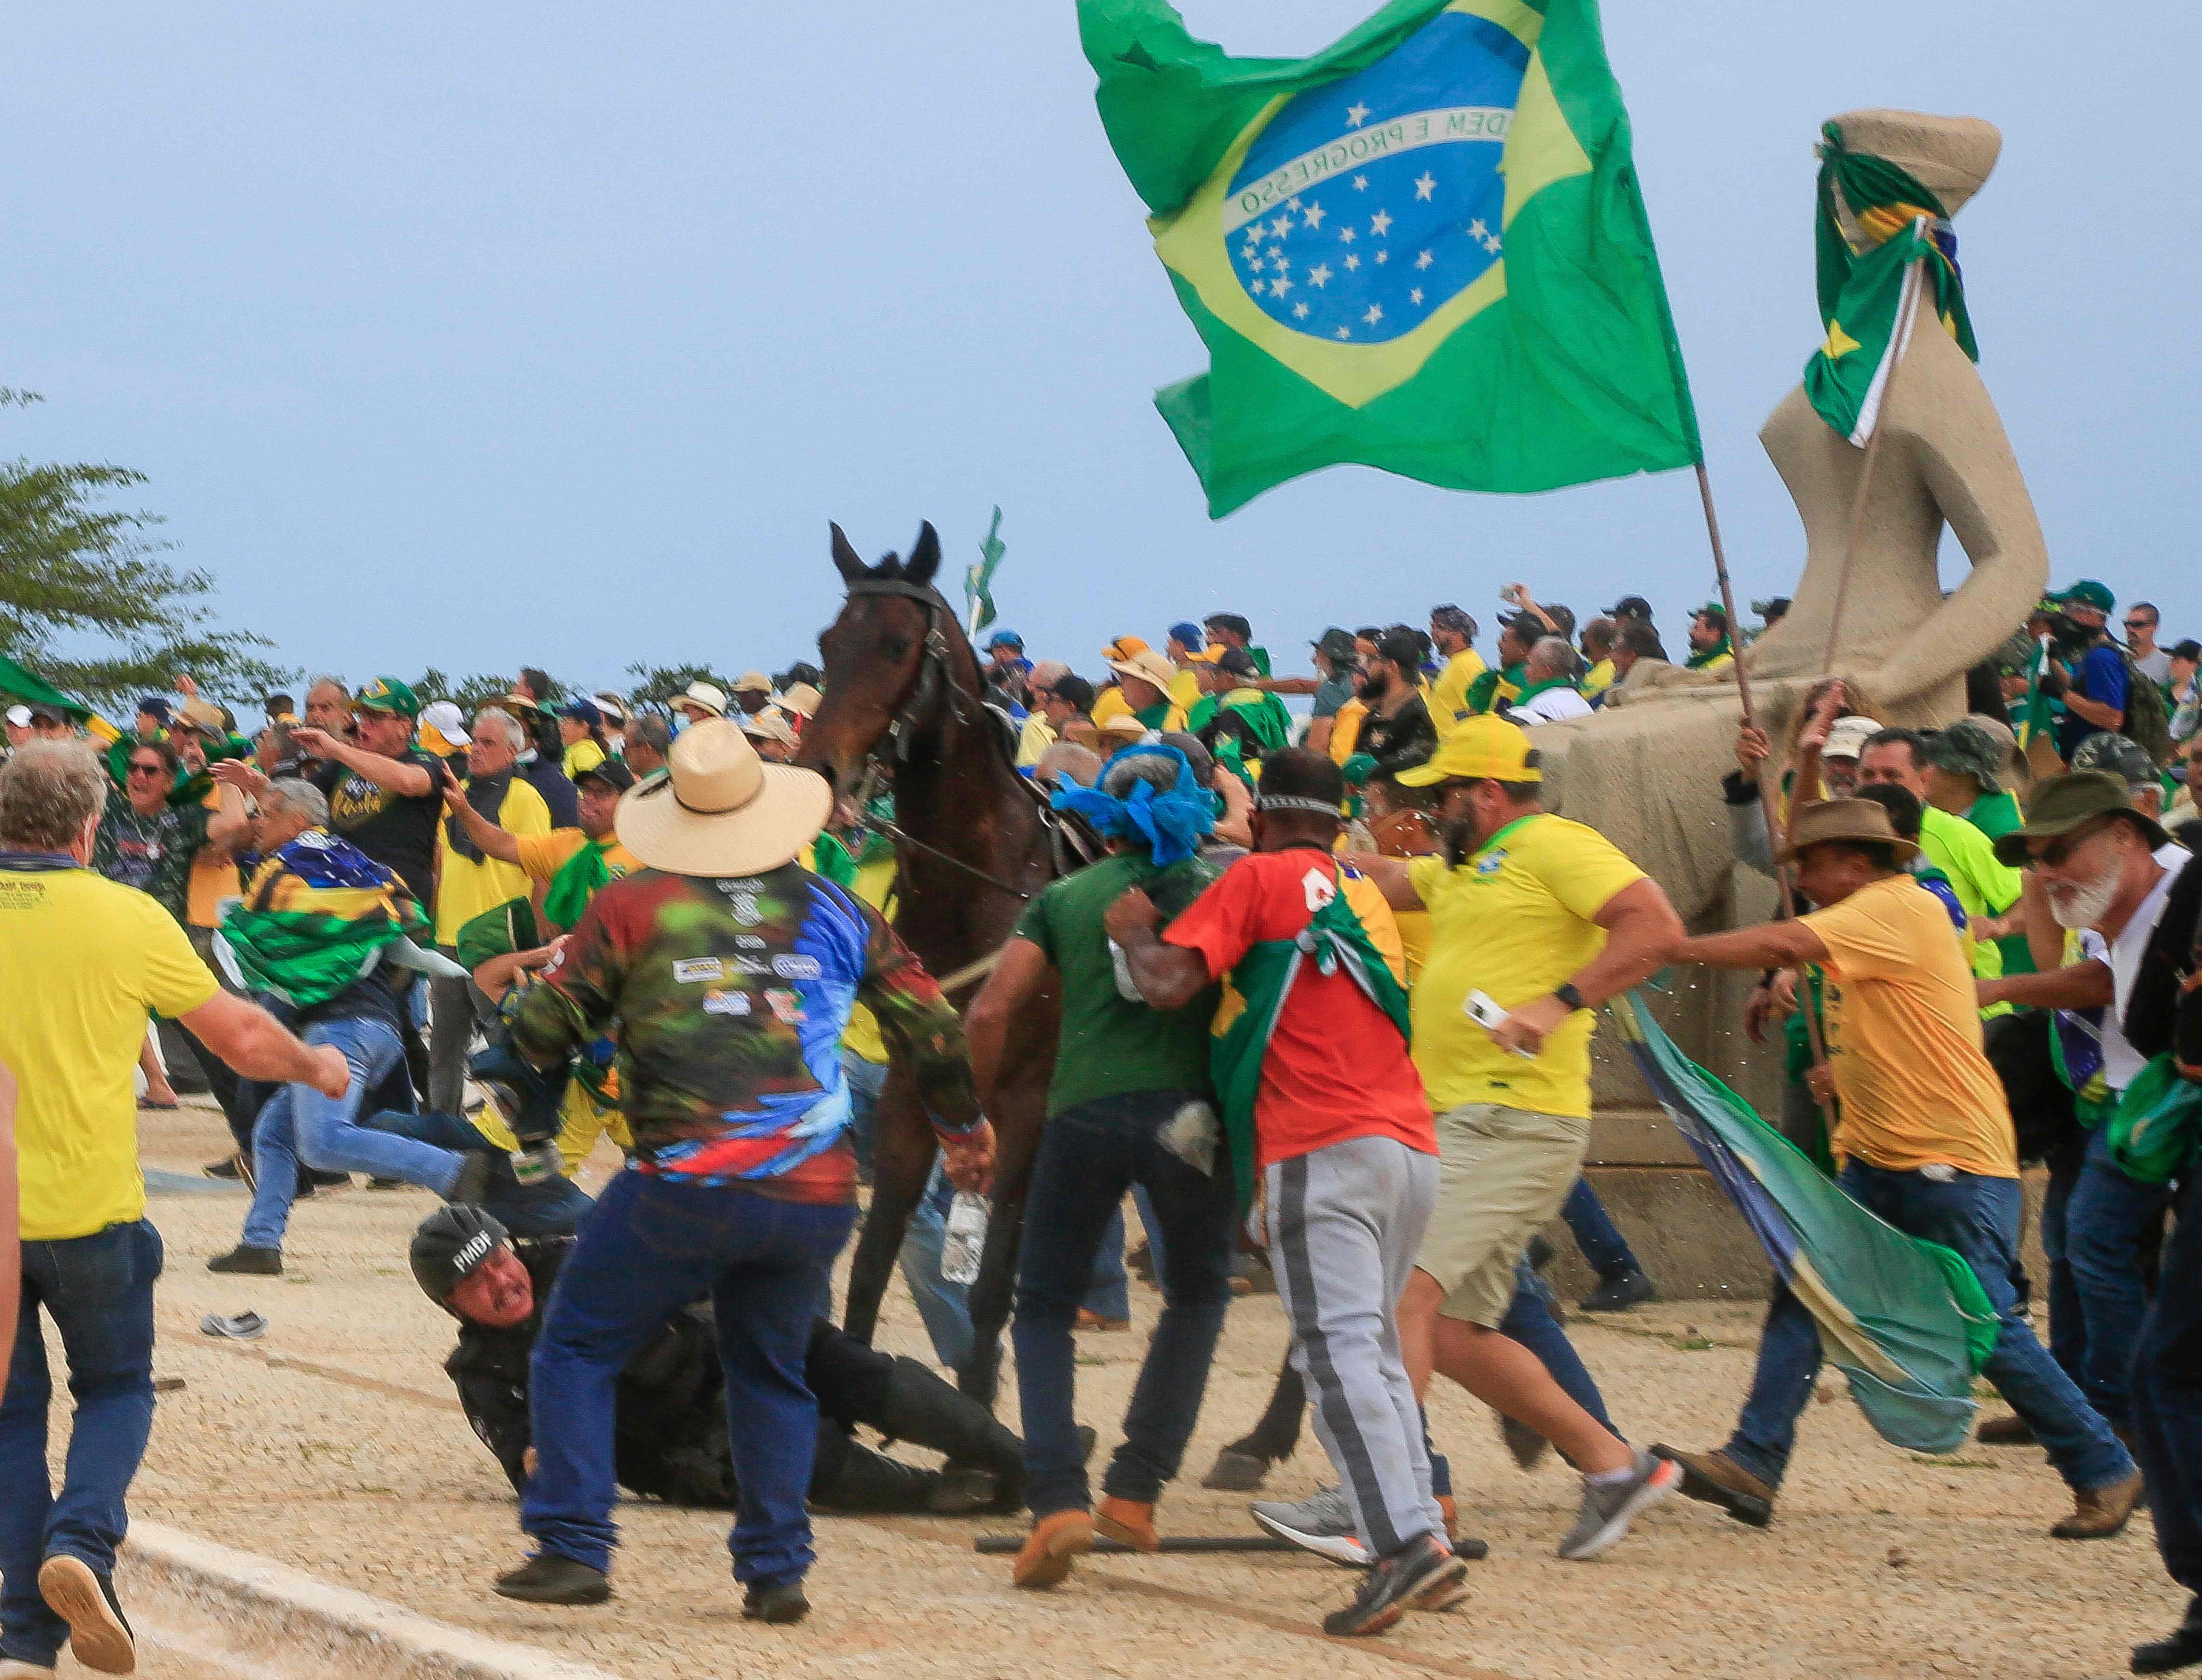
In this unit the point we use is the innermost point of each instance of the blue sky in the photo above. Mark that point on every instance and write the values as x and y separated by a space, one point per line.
490 335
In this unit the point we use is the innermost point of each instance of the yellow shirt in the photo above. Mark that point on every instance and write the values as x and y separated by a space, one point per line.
1447 696
874 881
1512 922
1109 703
584 754
213 879
1034 739
464 889
1597 680
1184 690
583 1120
83 961
1904 1037
543 856
1346 729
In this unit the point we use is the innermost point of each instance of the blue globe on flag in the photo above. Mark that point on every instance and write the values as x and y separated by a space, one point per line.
1367 204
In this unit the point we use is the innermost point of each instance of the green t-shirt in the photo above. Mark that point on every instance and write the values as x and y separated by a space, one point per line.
1108 1044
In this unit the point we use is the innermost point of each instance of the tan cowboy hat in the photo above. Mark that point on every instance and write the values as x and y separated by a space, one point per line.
1125 725
752 681
1825 819
1149 666
721 810
769 725
705 696
803 700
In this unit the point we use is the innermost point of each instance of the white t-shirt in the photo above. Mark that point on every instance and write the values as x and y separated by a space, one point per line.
1551 706
2155 665
2122 1063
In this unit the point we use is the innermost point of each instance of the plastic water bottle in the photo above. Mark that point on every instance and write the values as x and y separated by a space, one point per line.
967 1238
1127 987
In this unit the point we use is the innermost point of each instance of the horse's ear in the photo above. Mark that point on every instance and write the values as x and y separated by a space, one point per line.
846 559
924 555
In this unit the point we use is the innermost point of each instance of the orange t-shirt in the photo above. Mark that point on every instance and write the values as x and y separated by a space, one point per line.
1337 1068
213 879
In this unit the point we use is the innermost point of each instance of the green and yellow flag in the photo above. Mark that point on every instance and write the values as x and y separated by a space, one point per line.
1422 249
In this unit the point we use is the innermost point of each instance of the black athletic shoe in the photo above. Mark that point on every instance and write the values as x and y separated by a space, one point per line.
99 1634
229 1167
548 1578
1619 1293
1421 1570
2183 1649
257 1262
774 1603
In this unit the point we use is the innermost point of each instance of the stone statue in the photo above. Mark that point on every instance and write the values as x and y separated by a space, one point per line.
1647 772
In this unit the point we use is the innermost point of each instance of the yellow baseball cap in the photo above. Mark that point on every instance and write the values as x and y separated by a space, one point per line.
1483 748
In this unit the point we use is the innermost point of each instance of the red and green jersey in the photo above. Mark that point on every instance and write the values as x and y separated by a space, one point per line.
730 996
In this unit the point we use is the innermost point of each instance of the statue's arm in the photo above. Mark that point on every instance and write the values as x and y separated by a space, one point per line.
1958 444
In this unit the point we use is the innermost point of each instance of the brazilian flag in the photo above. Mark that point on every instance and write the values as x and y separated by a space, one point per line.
1422 249
318 918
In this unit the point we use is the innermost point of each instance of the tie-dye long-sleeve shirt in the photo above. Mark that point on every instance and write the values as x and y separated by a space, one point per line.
729 998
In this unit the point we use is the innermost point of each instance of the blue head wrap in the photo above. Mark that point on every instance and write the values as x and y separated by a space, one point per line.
1167 826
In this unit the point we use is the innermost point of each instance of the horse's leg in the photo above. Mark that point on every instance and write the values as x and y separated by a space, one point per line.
1241 1466
901 1160
1018 1113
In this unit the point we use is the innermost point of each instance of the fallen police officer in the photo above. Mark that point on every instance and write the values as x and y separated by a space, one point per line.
670 1439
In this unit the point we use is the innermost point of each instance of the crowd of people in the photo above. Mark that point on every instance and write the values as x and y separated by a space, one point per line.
1331 991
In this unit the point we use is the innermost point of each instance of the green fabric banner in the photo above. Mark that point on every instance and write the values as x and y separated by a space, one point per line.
1422 249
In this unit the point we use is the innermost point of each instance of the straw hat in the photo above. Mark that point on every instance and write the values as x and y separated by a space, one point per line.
1846 737
1824 820
802 698
1148 666
769 725
1123 725
721 810
705 696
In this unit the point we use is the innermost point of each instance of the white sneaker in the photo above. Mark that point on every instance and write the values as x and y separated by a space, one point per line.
1323 1522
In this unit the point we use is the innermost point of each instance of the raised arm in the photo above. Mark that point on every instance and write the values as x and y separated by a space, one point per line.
494 841
1391 877
411 780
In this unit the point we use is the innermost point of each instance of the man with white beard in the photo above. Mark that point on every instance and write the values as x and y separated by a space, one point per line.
2104 871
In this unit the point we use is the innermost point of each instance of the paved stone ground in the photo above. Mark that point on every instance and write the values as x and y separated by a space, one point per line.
334 1445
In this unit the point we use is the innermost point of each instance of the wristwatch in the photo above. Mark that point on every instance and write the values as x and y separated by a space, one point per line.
1566 992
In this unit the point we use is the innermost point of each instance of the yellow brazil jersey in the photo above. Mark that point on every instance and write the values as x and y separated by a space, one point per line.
466 888
543 856
1109 703
1184 690
1597 680
874 881
83 961
583 754
1513 922
1447 696
1346 729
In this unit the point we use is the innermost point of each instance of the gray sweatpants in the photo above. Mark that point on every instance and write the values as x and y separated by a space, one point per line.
1344 1224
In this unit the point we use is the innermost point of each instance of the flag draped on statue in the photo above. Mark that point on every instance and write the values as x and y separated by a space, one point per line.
1422 249
979 580
1904 1320
1870 295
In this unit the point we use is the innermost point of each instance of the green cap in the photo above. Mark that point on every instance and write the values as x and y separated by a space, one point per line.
2065 804
387 694
1337 644
2087 593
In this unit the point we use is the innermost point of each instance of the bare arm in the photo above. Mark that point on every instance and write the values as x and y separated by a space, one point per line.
2083 985
258 1046
494 841
1238 806
1389 875
1167 976
1023 969
228 826
496 976
2099 713
411 780
1318 735
1285 685
1773 945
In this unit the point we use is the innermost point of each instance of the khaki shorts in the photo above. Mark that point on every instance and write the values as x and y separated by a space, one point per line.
1502 1174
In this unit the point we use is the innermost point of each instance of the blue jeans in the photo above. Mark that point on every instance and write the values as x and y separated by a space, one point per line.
2101 1226
1530 1321
1089 1154
2167 1394
1978 1218
648 1248
299 1123
1596 1235
2068 1319
98 1291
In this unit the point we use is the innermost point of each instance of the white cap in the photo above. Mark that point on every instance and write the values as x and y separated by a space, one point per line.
705 696
20 716
444 717
610 704
1847 738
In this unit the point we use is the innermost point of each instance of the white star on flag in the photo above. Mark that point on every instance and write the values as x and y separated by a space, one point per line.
1356 115
1425 185
1291 203
1278 262
1424 260
1374 314
1319 276
1491 245
1415 296
1280 227
1347 234
1361 182
1476 230
1378 223
1280 286
1346 332
1352 262
1313 214
1300 312
1383 256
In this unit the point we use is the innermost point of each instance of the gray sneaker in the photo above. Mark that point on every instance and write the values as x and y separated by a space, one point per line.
1323 1522
1608 1509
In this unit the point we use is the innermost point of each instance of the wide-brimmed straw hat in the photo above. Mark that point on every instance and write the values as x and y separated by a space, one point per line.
802 699
705 696
1860 820
721 810
1148 666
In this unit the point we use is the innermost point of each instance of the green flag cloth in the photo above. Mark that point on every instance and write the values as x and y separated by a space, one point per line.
1864 293
1422 249
1906 1320
1254 994
318 918
19 683
568 894
979 580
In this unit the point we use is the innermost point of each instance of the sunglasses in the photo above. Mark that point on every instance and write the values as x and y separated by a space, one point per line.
2057 852
2140 623
153 769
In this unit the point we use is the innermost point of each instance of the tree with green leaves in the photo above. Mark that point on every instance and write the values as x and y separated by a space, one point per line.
655 685
86 601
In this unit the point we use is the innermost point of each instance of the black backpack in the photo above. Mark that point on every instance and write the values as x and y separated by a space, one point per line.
2148 718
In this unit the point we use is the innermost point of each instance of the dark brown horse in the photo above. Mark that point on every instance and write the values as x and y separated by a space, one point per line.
903 686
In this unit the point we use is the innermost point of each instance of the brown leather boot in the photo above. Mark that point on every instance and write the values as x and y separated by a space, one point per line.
1129 1521
2100 1512
2009 1431
1718 1479
1050 1549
